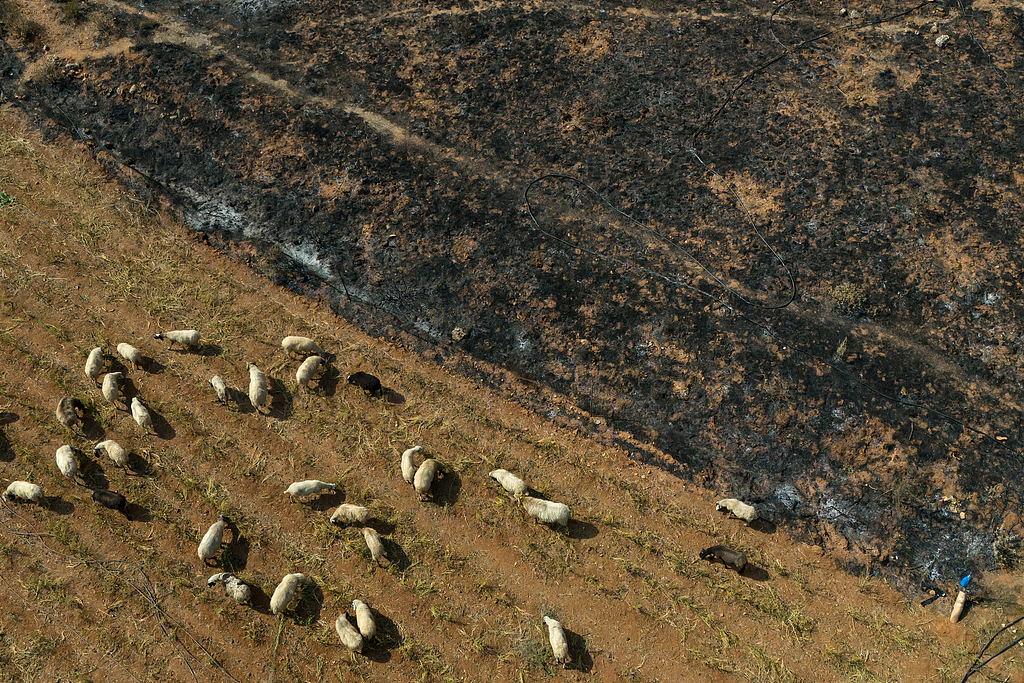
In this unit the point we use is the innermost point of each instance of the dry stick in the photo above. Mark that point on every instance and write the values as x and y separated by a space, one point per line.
277 642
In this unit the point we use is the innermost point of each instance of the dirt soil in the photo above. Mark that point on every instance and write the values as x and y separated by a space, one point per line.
376 158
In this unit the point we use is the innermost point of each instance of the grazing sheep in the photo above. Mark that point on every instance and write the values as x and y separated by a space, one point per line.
366 382
112 385
546 511
425 476
350 514
220 388
285 592
509 482
375 545
745 512
114 451
310 487
130 354
70 411
408 464
25 491
234 587
556 636
364 619
733 559
142 416
94 363
112 500
307 370
303 346
257 387
67 461
348 634
210 545
189 339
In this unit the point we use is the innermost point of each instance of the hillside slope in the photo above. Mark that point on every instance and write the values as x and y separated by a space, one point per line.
90 595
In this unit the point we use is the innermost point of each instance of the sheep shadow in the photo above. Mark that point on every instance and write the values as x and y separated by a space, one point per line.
161 426
91 427
58 505
446 488
387 639
205 350
395 554
328 384
754 573
139 466
94 475
152 365
281 402
311 602
580 658
579 530
6 449
7 418
240 400
763 526
380 526
258 599
392 396
235 556
139 513
327 501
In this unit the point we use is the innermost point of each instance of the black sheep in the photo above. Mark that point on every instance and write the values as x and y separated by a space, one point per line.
366 382
733 559
112 500
70 411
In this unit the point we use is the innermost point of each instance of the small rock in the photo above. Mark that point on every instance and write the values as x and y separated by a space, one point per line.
941 40
458 334
934 28
842 12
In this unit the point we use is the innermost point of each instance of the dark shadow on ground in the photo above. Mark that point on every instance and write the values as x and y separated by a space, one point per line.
388 638
328 384
395 554
327 501
310 603
152 365
580 658
235 556
259 601
764 526
94 476
579 530
446 488
6 450
139 513
392 396
380 526
754 573
205 350
161 426
281 403
59 506
7 418
139 466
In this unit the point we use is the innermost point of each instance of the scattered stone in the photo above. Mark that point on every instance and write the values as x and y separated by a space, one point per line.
941 40
458 334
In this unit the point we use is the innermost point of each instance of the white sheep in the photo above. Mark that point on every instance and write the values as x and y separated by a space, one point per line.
285 592
348 634
556 636
219 388
210 545
142 416
303 346
130 354
112 385
234 587
257 387
114 451
409 463
307 370
186 338
375 545
94 363
67 461
745 512
348 513
364 619
310 487
546 511
425 476
25 491
509 482
70 411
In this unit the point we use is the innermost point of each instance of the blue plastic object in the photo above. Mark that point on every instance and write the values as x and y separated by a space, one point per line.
964 581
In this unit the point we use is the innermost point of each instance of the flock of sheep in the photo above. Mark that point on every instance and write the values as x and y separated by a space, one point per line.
70 412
